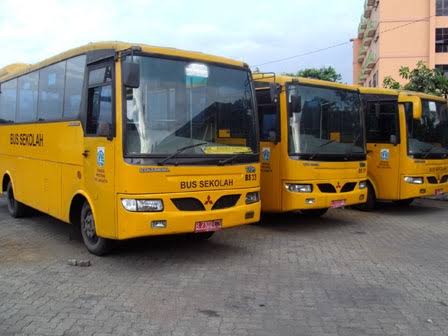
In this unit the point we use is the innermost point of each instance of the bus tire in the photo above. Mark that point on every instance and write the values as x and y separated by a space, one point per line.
201 236
370 203
315 213
94 244
15 208
404 202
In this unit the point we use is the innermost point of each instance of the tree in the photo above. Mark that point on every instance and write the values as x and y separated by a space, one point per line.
324 73
420 79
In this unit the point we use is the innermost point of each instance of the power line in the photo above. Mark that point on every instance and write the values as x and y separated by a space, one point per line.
341 44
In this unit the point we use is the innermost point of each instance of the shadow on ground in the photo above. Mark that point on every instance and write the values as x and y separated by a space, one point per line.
295 222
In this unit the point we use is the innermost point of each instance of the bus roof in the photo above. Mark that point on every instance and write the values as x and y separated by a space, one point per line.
14 70
383 91
378 91
424 96
283 79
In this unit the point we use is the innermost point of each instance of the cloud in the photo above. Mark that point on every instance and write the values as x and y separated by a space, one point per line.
255 31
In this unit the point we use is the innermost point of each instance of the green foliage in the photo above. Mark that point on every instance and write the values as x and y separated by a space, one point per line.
420 79
324 73
391 83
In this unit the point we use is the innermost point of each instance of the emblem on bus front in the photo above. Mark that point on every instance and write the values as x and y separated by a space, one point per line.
266 154
250 169
384 154
100 156
208 201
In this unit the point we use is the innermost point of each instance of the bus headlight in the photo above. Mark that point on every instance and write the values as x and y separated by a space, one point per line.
362 184
141 205
252 197
413 180
299 188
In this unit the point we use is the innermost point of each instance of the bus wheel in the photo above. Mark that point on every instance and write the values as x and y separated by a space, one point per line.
200 236
370 203
316 213
15 208
96 245
404 202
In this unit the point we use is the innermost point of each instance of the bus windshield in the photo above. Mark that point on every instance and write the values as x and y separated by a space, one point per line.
428 137
324 123
190 108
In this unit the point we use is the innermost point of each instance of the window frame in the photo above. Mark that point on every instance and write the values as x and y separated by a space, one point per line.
443 8
16 99
397 120
209 160
84 111
78 118
278 137
444 45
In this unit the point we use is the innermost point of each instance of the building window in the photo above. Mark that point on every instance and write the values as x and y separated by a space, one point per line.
442 40
442 8
375 79
443 68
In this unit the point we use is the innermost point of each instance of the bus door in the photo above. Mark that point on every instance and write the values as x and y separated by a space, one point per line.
383 146
269 115
99 139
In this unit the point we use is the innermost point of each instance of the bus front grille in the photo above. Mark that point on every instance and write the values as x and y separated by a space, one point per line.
188 204
225 202
193 204
432 179
350 186
326 188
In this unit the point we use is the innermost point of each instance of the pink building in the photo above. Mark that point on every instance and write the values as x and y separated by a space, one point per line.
393 33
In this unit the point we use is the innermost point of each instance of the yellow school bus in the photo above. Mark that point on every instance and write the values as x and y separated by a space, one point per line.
313 154
129 140
407 142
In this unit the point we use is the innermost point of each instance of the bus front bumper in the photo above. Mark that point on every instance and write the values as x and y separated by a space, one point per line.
409 190
295 201
140 224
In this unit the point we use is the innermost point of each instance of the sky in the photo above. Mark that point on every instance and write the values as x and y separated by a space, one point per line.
255 31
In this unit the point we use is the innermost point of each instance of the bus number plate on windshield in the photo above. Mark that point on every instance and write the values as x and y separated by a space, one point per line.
208 226
337 204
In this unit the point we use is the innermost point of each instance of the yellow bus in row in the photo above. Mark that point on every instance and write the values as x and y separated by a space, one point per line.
128 140
407 145
313 152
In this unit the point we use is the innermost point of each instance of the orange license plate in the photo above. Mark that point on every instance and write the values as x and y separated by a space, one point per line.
337 204
208 226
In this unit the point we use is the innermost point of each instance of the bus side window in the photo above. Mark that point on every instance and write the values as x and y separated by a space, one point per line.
382 122
99 111
269 117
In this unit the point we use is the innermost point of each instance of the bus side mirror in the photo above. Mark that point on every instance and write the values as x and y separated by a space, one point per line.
131 75
273 90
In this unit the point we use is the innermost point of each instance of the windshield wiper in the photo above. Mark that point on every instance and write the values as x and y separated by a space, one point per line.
180 150
320 146
429 151
230 159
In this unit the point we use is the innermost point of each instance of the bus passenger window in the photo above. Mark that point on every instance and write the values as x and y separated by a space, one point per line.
381 122
99 112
